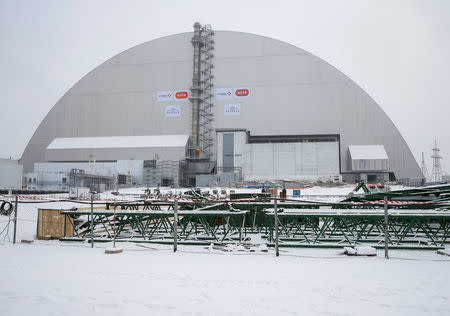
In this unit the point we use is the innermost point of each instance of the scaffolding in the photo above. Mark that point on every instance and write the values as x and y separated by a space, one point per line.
202 91
207 97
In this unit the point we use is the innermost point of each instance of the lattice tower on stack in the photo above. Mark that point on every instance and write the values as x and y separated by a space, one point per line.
206 135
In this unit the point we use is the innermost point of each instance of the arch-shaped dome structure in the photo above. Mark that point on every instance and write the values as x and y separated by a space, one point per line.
292 92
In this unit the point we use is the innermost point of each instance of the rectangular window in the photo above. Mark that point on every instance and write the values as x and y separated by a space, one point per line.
362 165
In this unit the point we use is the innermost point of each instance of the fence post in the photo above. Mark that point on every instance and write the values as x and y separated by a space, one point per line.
386 254
115 231
175 225
15 219
277 253
92 220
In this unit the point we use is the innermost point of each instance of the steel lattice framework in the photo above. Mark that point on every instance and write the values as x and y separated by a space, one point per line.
299 227
144 225
206 139
411 229
436 173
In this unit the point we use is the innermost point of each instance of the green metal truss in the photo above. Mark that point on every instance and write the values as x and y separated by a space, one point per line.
148 225
425 228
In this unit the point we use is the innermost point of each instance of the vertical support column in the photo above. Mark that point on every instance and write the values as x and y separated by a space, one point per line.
15 219
275 207
65 224
115 231
175 226
386 254
92 220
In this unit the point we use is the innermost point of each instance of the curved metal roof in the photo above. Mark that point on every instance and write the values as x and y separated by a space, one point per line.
292 92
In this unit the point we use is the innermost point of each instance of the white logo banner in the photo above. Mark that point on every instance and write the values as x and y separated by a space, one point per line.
240 93
164 96
224 93
232 109
173 111
181 95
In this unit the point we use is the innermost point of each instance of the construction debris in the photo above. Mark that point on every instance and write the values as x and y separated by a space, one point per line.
445 252
360 251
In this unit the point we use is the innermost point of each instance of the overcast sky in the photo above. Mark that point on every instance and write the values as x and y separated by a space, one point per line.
397 51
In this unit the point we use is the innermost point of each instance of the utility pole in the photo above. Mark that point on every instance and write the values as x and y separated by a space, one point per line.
175 225
275 206
15 219
386 254
92 219
424 168
436 173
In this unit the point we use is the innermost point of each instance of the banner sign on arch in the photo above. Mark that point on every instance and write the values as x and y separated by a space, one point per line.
162 96
240 93
173 111
181 95
232 109
224 94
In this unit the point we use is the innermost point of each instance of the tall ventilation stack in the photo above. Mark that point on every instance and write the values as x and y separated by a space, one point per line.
424 167
201 149
202 97
436 174
196 90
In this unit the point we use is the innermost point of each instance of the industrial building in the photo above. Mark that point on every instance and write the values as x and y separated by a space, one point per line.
11 173
206 106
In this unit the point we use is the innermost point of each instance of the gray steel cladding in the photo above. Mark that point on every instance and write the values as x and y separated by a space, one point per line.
291 92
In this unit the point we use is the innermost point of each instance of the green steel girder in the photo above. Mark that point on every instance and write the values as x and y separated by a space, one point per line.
314 227
433 192
147 225
432 229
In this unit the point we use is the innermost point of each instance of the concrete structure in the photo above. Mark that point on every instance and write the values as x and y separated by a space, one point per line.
254 158
369 163
162 173
291 115
62 176
117 148
11 174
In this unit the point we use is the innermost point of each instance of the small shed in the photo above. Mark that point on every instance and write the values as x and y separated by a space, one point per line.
368 158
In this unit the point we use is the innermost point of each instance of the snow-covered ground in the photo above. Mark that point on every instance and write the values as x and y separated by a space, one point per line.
53 278
48 278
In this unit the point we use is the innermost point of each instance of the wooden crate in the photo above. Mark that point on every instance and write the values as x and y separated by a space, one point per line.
50 224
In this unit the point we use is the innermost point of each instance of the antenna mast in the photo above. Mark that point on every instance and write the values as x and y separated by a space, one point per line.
424 167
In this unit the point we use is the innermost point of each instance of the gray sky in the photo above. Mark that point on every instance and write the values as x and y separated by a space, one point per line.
398 51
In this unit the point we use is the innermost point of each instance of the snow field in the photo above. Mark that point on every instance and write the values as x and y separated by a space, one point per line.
53 278
72 279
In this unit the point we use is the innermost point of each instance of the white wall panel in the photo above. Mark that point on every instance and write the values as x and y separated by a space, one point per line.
284 160
261 160
309 159
327 158
291 160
